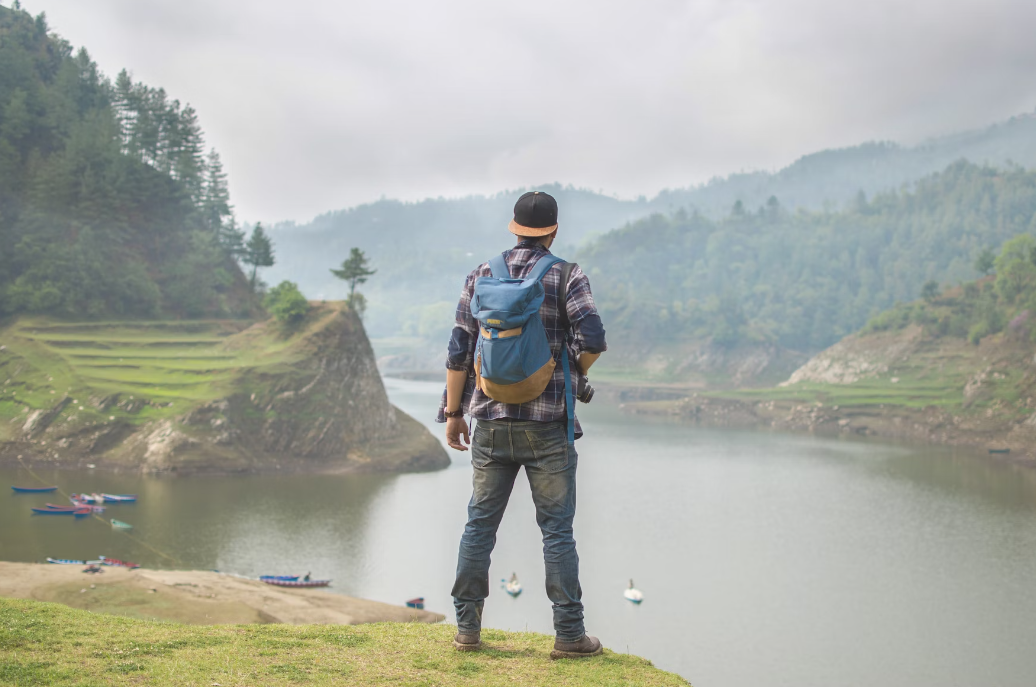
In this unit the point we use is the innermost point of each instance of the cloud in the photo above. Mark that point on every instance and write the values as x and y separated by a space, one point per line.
319 106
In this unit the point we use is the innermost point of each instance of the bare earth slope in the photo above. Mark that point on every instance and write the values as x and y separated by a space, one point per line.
205 396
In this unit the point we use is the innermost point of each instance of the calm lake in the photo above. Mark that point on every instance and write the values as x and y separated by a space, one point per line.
764 559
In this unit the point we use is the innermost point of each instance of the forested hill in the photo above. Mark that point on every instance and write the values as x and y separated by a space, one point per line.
835 177
422 249
108 204
802 280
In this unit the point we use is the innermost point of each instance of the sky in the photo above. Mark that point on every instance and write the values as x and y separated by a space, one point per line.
317 106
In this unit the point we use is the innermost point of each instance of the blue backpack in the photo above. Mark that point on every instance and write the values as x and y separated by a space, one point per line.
513 360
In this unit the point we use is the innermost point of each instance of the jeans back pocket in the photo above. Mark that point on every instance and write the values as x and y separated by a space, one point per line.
549 447
482 446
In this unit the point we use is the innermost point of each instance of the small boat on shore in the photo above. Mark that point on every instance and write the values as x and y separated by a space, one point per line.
54 511
105 498
999 450
298 583
117 563
120 498
120 525
417 602
33 490
65 561
283 578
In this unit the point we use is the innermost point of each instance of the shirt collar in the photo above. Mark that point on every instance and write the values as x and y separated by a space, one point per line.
532 244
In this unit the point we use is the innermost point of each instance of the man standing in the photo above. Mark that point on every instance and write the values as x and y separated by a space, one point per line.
533 434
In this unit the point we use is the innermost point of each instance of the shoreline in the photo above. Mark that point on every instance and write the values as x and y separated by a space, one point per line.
920 426
197 597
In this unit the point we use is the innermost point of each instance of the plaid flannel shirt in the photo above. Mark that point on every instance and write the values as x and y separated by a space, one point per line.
550 405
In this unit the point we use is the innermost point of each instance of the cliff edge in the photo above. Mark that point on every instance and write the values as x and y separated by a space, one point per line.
204 397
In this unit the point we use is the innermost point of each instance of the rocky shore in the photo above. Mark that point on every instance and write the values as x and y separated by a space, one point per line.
925 425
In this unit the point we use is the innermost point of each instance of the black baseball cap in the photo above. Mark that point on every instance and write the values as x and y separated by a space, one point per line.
535 214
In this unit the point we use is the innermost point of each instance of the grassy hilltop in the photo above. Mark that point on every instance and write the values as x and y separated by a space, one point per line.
216 395
48 644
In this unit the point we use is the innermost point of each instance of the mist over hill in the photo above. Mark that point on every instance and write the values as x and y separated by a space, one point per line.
423 250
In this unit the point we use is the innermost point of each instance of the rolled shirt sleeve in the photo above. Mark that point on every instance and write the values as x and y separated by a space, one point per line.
460 354
587 328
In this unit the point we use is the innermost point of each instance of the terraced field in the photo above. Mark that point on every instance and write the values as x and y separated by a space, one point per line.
141 369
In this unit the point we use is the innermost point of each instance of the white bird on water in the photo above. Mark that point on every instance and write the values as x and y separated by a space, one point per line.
633 594
514 587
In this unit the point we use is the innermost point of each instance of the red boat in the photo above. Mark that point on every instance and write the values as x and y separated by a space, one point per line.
298 583
116 562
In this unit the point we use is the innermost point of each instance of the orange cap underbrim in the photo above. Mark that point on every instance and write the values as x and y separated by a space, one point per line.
519 230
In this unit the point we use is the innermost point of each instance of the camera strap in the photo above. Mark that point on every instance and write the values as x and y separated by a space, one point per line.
570 405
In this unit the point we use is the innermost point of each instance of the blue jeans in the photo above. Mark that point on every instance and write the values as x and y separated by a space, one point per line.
499 448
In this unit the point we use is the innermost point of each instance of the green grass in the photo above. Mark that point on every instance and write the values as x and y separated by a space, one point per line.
870 392
182 363
49 644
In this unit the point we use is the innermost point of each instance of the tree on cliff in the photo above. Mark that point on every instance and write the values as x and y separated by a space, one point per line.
355 270
258 251
286 303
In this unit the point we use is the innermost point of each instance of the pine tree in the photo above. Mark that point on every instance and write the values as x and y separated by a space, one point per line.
355 270
258 251
215 203
189 166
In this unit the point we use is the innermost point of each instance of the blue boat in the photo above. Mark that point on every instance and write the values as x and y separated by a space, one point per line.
415 603
33 490
53 511
65 561
283 578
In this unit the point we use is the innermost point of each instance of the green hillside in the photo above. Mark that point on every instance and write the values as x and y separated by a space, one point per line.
48 644
424 249
156 368
109 206
802 280
203 395
955 366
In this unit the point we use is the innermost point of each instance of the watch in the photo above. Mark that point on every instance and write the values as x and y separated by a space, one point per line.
456 413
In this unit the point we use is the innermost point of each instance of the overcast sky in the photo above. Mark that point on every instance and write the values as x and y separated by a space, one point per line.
317 106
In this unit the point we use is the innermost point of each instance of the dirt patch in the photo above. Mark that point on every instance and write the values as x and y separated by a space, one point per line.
194 596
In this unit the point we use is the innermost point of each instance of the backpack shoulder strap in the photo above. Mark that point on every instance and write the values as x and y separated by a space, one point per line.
498 264
566 274
539 270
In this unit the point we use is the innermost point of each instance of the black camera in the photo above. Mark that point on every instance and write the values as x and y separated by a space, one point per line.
584 392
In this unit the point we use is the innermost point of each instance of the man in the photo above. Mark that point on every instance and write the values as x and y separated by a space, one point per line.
532 434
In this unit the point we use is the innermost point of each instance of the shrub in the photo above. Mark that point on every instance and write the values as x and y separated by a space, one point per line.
978 331
286 303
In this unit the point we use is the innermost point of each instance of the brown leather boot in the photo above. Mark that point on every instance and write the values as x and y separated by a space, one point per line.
467 642
581 648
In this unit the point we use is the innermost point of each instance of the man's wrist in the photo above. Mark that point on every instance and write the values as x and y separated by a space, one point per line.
454 413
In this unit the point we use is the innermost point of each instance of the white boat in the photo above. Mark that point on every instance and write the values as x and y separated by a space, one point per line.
513 586
633 594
